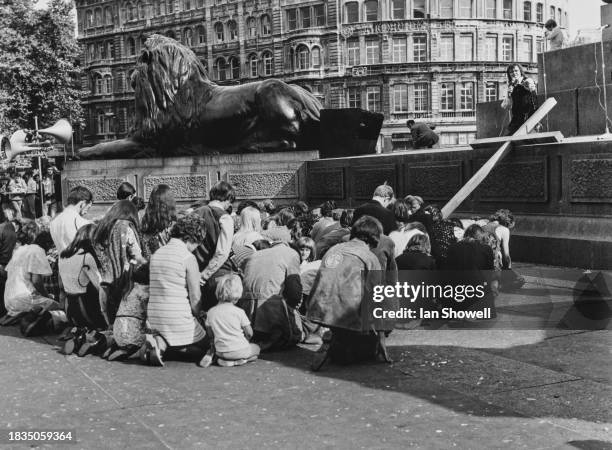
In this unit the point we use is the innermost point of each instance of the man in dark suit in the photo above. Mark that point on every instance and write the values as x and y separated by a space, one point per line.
422 135
377 208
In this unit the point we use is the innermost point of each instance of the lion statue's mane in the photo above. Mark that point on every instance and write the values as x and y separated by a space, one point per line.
179 111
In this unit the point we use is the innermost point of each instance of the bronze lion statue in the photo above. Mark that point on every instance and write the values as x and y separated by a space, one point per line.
179 111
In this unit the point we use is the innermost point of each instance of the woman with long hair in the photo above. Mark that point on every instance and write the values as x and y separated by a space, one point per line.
117 245
159 216
250 227
80 274
400 237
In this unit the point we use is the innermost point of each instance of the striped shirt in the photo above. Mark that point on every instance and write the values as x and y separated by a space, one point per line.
169 310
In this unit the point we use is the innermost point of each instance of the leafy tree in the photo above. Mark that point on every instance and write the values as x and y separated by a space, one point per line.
39 72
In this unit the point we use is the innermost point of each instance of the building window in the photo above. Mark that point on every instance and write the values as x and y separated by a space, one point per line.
89 21
465 9
354 97
91 52
491 48
447 97
399 47
399 9
170 7
372 51
352 12
220 69
303 57
491 9
141 10
528 49
559 16
102 50
108 15
98 17
400 98
319 15
234 68
253 72
466 47
102 122
508 48
466 96
292 19
171 34
267 64
110 49
316 57
552 13
527 11
131 47
447 47
200 3
490 91
219 34
305 17
446 9
539 13
371 10
419 44
539 45
373 99
418 9
508 9
201 34
353 52
188 37
421 97
108 84
252 27
265 25
232 28
187 5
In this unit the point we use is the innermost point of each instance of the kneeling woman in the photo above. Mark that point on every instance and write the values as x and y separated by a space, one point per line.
174 301
341 298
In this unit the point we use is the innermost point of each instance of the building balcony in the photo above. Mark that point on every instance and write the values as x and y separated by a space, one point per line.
441 117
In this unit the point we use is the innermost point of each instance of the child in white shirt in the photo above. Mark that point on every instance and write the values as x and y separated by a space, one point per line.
229 328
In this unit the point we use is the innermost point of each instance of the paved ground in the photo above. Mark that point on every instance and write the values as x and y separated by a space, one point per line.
449 387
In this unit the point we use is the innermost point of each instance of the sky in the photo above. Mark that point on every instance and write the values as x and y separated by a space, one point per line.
583 14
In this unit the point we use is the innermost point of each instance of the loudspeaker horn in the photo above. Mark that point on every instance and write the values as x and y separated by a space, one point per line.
62 131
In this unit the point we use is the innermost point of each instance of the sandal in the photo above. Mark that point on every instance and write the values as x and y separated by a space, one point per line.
152 353
75 342
95 343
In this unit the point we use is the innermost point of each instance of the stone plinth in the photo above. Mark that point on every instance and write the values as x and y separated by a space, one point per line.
560 193
280 176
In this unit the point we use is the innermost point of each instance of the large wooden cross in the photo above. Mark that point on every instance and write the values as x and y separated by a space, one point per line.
520 135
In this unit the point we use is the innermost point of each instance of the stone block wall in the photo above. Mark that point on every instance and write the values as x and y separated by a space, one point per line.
280 176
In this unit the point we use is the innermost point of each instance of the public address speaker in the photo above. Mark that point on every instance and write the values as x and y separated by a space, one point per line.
349 132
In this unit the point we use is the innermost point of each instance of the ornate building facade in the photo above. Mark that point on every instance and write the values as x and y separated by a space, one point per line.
431 60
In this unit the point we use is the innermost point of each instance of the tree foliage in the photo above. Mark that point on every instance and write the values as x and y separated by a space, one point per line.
39 72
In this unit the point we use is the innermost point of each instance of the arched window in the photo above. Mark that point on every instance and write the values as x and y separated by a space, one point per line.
540 13
232 29
98 17
110 49
446 9
108 84
171 34
170 6
141 10
108 15
352 12
527 11
91 52
266 28
98 84
302 57
268 65
131 9
220 69
131 46
552 13
188 37
186 5
316 57
219 35
102 50
234 68
252 27
465 9
89 19
201 33
253 72
371 10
